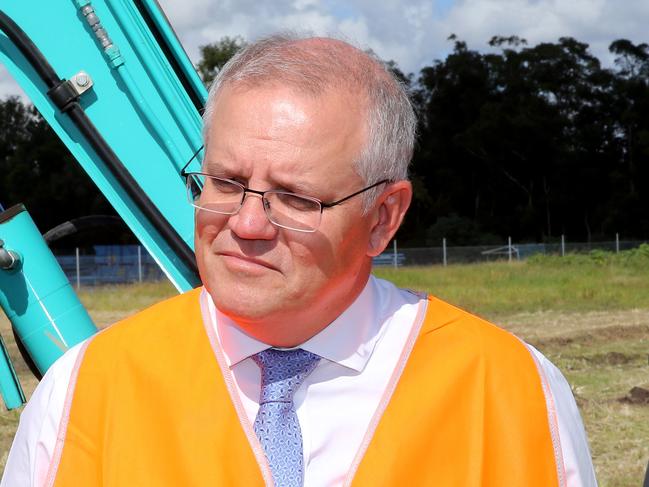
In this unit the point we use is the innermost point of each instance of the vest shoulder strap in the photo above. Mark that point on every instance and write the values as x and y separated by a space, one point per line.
469 409
150 408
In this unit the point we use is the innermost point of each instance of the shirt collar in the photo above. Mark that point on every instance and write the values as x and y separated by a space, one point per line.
349 340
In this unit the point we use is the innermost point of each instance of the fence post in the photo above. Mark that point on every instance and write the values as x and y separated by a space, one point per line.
563 245
78 269
444 251
617 243
509 248
394 254
139 263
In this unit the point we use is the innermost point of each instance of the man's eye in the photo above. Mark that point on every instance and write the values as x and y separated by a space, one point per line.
224 186
295 202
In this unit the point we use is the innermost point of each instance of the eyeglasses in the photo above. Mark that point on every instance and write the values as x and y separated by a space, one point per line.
283 209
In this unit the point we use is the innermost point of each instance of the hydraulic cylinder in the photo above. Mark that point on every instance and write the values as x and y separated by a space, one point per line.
45 312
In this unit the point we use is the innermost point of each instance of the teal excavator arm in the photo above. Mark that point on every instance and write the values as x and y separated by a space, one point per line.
114 83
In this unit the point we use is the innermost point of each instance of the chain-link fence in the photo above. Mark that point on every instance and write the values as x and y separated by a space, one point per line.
443 254
119 264
113 264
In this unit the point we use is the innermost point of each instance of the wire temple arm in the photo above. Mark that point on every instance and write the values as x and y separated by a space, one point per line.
183 171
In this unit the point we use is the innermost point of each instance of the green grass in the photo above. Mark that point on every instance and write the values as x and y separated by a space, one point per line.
603 358
589 314
131 297
596 281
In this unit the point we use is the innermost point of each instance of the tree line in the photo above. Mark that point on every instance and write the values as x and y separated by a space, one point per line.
532 142
525 141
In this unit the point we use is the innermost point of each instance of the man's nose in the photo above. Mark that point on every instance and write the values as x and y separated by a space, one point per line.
251 222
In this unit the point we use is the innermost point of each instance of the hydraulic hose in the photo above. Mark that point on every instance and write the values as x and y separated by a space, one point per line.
141 200
80 225
29 50
59 93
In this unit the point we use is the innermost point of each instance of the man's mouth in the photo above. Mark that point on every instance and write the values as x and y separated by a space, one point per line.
243 262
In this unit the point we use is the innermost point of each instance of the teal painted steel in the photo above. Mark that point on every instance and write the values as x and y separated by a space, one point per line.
37 297
12 393
137 103
165 28
127 15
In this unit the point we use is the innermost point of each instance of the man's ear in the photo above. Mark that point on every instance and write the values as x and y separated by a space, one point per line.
389 210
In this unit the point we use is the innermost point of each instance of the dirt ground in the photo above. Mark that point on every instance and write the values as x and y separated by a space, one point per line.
604 356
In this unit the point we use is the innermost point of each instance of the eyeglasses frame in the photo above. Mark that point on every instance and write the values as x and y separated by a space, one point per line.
262 194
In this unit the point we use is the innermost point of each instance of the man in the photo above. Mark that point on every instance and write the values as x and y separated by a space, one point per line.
293 366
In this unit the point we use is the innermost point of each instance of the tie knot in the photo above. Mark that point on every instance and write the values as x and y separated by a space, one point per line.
282 372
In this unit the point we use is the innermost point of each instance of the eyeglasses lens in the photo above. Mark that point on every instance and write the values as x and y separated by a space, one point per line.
225 197
293 211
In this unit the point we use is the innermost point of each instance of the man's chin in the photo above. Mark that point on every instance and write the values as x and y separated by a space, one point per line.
243 304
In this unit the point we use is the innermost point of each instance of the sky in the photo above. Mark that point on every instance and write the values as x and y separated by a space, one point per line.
413 33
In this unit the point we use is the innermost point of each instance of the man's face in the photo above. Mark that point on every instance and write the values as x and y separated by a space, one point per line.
276 283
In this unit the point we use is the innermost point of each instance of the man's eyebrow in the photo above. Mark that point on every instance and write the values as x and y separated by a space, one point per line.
214 168
298 187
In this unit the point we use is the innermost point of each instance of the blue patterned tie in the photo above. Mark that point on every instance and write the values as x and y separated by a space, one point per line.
276 424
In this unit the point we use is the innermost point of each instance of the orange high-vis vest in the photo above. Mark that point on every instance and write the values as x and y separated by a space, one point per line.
149 406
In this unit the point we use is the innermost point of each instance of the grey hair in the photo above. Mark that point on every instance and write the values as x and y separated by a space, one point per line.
314 65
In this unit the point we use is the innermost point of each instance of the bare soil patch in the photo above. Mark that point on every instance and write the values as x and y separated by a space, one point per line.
637 395
556 328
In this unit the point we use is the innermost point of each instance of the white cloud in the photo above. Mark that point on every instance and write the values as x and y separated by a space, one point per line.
596 22
8 85
415 32
303 4
411 32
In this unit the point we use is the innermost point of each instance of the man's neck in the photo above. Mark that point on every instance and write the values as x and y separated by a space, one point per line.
289 330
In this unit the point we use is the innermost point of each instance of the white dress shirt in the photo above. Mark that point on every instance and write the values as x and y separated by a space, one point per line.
336 403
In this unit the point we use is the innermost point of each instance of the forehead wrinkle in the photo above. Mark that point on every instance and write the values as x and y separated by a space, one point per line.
212 166
308 150
295 186
220 167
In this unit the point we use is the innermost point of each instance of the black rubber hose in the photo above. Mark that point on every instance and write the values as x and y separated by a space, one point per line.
29 50
141 200
80 225
101 147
